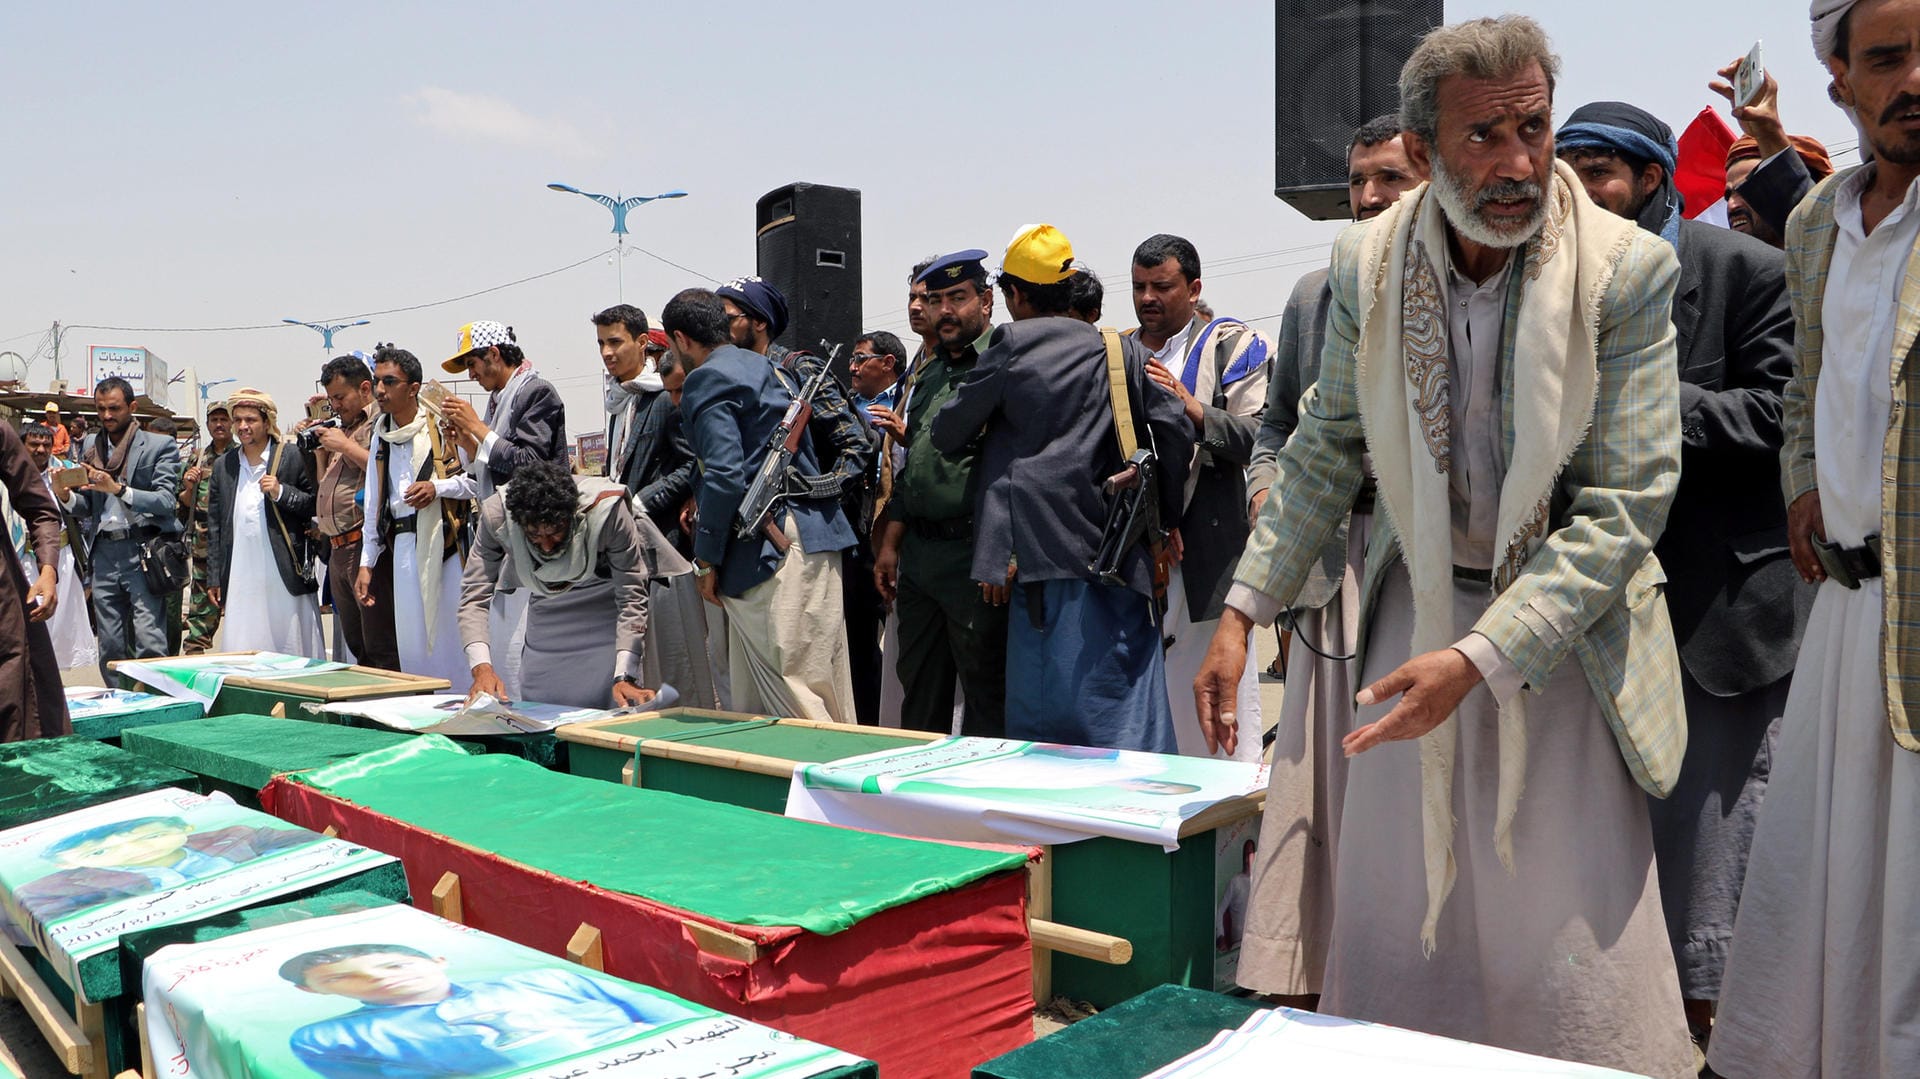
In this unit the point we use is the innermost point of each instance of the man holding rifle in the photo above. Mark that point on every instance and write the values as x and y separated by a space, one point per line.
786 635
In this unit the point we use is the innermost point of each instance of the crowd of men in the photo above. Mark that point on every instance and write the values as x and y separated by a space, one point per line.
1595 741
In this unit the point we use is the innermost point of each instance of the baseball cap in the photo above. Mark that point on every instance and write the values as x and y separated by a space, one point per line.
1040 254
475 336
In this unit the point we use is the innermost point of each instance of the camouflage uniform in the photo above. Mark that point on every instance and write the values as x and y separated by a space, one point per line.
203 618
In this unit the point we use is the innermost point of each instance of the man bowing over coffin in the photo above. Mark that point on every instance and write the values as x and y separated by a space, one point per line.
1511 349
549 531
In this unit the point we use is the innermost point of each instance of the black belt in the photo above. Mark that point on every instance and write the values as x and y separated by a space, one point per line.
405 524
1849 565
952 528
1469 575
123 534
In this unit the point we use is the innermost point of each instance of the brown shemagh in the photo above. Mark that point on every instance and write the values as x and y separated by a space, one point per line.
114 463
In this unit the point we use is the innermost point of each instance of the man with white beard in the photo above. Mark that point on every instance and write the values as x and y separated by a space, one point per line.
1523 492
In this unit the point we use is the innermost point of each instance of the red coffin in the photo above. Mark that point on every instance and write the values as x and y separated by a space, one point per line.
930 988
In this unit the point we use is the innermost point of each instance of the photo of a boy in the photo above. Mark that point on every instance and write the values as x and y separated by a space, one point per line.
136 857
415 1021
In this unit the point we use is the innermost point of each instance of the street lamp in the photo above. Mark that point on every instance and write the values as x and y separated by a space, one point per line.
619 205
326 332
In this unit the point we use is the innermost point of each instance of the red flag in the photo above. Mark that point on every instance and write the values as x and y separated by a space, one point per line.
1702 174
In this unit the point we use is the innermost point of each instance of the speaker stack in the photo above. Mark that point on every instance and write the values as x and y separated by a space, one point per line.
808 238
1336 66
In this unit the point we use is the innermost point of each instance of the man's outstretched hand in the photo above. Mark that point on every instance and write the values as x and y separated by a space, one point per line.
1430 687
1216 688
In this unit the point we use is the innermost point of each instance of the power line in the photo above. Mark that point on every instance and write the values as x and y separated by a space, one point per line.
362 314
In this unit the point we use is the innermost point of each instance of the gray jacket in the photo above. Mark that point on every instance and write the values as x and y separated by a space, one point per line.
1296 366
152 477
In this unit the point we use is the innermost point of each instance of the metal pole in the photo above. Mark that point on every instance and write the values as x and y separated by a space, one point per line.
56 351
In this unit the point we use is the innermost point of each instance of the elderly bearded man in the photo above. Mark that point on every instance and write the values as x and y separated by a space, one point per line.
1524 488
1290 909
1823 975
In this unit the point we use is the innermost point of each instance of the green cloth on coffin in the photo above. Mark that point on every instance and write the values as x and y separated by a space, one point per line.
1128 1040
237 699
667 848
46 777
602 762
136 948
109 726
789 742
248 751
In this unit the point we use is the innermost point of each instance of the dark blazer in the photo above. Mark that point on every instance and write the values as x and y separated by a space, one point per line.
1738 606
1296 366
660 465
1039 399
1775 188
533 429
731 404
152 478
295 507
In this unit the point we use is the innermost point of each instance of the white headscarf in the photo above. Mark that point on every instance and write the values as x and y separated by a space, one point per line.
1826 16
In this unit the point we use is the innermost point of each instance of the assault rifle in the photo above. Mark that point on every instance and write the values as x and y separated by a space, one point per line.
770 484
1133 514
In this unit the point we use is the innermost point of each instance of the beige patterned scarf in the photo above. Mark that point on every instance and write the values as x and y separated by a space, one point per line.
1403 386
428 538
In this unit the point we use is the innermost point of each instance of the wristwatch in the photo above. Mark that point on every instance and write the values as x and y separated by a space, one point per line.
628 679
701 569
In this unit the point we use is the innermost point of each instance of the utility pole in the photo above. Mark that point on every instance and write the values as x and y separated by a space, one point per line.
56 351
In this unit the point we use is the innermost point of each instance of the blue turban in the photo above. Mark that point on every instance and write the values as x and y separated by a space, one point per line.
758 299
1635 132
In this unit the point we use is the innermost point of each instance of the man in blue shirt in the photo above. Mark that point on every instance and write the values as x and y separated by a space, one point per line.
413 1021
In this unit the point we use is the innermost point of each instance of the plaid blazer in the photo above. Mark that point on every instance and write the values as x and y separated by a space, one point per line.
1809 244
1592 589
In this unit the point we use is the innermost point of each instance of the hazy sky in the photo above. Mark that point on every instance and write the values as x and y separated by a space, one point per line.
229 165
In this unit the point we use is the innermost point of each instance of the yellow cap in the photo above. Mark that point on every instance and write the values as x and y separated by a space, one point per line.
1040 254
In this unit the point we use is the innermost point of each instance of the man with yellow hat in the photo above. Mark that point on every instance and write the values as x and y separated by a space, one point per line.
1053 408
62 438
524 422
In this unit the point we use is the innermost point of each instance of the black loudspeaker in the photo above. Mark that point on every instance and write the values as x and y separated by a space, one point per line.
809 248
1336 66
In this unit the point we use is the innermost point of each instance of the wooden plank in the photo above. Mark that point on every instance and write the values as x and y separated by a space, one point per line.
1040 906
585 948
446 897
146 1043
330 832
716 941
64 1034
855 728
593 732
93 1024
630 773
279 710
1226 812
1085 943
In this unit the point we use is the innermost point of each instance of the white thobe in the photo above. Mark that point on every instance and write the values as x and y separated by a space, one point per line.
259 614
442 655
1823 971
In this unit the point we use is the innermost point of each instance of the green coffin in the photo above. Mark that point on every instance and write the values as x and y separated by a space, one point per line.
1164 904
50 776
242 696
1126 1041
241 754
106 724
